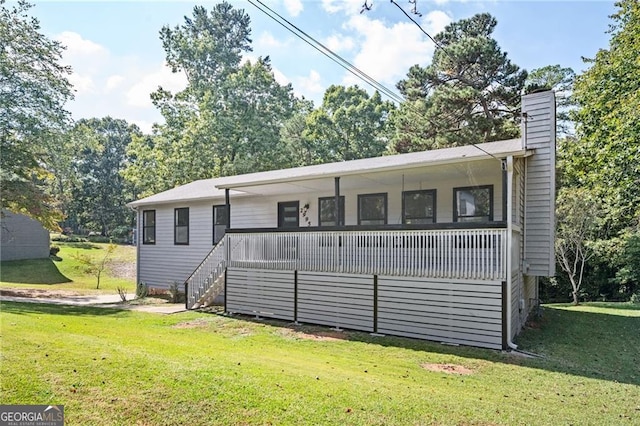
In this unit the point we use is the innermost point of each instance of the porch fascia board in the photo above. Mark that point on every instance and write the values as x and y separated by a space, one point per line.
394 227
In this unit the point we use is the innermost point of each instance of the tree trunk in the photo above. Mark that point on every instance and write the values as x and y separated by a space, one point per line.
576 302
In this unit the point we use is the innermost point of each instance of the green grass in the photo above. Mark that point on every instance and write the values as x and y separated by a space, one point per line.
66 272
120 367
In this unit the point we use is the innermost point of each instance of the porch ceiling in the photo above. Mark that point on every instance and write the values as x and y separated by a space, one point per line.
472 171
419 166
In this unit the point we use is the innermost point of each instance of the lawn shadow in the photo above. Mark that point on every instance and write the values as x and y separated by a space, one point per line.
29 308
594 345
32 271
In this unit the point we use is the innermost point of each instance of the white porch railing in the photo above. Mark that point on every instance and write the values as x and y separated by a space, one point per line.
452 253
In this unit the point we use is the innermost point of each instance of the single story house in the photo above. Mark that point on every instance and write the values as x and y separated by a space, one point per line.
444 245
22 237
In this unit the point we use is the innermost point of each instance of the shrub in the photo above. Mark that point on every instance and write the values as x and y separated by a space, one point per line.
123 293
635 298
53 250
98 239
142 290
175 296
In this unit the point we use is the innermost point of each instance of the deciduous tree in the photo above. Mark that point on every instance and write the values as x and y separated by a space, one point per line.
33 91
349 124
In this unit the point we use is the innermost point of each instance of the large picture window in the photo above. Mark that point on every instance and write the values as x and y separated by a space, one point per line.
181 228
149 227
372 209
473 204
419 207
327 211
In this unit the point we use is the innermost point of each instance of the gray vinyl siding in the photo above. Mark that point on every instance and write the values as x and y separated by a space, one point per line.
540 183
22 238
163 263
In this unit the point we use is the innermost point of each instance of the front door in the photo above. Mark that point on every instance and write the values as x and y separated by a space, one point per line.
288 214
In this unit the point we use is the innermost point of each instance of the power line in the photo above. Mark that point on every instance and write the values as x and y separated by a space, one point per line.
304 36
301 34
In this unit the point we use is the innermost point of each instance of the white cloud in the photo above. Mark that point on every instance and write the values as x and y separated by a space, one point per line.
294 7
268 41
351 7
387 53
82 84
310 85
339 43
113 81
144 125
78 46
279 76
435 21
138 94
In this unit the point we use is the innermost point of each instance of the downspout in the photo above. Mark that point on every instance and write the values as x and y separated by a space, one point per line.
509 251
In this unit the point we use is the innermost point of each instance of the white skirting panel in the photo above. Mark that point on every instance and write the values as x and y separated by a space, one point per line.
338 300
266 293
466 312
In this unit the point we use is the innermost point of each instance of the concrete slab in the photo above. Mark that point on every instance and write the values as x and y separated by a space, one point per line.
100 301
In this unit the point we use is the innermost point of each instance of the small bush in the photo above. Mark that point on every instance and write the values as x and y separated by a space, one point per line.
123 293
142 290
53 250
98 239
635 298
175 296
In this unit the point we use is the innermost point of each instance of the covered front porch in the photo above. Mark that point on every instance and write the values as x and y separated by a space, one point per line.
420 247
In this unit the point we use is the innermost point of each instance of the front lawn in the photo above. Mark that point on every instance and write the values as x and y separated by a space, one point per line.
108 366
65 271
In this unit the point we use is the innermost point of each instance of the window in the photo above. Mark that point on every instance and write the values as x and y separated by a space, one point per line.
372 209
288 214
419 207
327 211
473 204
149 227
220 222
181 228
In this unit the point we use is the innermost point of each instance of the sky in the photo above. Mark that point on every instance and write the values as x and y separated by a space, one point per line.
117 57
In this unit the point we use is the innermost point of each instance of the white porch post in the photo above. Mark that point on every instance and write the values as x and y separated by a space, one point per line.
509 250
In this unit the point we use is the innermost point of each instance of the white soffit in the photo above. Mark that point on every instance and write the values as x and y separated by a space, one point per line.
365 168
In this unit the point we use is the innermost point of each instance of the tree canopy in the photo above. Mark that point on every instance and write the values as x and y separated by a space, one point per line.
608 122
228 119
470 93
33 91
349 125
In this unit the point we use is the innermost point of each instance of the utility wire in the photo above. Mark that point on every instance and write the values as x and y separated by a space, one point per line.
326 51
304 36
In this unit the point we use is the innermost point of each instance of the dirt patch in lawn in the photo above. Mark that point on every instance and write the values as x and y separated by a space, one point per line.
447 368
317 335
124 270
196 323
